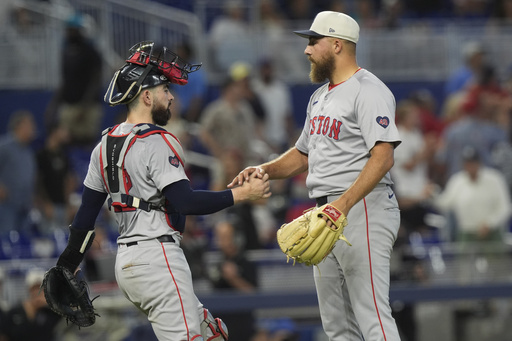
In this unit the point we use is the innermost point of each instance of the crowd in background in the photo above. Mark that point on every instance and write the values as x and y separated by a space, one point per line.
373 12
455 161
251 118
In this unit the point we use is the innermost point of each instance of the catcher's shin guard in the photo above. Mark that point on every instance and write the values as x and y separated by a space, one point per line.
213 329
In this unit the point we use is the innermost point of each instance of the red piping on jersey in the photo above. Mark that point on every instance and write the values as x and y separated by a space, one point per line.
126 187
371 270
125 183
172 148
177 290
332 86
125 208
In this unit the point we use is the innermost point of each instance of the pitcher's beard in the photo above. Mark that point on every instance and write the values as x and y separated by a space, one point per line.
322 69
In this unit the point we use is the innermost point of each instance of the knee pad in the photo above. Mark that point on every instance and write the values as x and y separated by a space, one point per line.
213 329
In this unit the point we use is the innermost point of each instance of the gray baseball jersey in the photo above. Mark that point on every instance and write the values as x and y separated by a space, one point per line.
150 168
154 275
342 126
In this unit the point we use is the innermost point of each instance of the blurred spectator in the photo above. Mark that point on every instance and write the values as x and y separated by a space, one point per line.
226 168
31 319
230 37
472 9
276 98
366 14
410 172
241 72
426 104
56 181
274 40
299 9
474 60
478 125
488 94
229 122
234 272
21 30
195 243
337 6
230 132
451 109
252 231
431 127
191 97
77 103
391 13
502 10
479 199
272 20
485 93
279 131
18 171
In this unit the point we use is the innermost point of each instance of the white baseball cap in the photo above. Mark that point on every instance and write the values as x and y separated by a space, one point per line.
332 24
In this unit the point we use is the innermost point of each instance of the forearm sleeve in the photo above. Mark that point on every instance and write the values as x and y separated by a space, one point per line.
92 201
187 201
81 231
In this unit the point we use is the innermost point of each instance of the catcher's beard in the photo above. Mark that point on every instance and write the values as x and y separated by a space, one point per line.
161 114
321 69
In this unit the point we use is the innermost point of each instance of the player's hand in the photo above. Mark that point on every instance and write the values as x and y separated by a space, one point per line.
254 188
245 174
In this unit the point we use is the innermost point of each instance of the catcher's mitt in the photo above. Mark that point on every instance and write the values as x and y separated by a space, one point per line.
68 296
307 239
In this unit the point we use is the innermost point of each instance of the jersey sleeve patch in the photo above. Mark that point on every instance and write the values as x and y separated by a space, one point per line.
174 161
383 121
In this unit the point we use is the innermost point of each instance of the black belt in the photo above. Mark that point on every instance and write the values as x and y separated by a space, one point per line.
161 239
325 199
321 200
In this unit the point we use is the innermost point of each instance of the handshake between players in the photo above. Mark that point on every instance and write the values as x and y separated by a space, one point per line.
256 187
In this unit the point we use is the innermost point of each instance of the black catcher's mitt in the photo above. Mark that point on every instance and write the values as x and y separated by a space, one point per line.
68 296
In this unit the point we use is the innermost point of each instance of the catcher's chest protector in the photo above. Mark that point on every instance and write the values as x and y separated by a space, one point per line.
116 178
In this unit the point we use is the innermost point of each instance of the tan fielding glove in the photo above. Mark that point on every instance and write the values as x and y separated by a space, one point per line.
307 239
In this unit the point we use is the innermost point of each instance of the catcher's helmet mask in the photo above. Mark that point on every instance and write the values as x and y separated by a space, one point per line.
147 66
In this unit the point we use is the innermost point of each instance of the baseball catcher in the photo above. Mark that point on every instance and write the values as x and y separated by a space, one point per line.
309 238
138 168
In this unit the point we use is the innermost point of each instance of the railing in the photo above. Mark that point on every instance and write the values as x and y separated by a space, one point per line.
32 50
445 265
288 291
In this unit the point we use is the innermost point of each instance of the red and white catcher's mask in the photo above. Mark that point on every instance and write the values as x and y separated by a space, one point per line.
147 66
